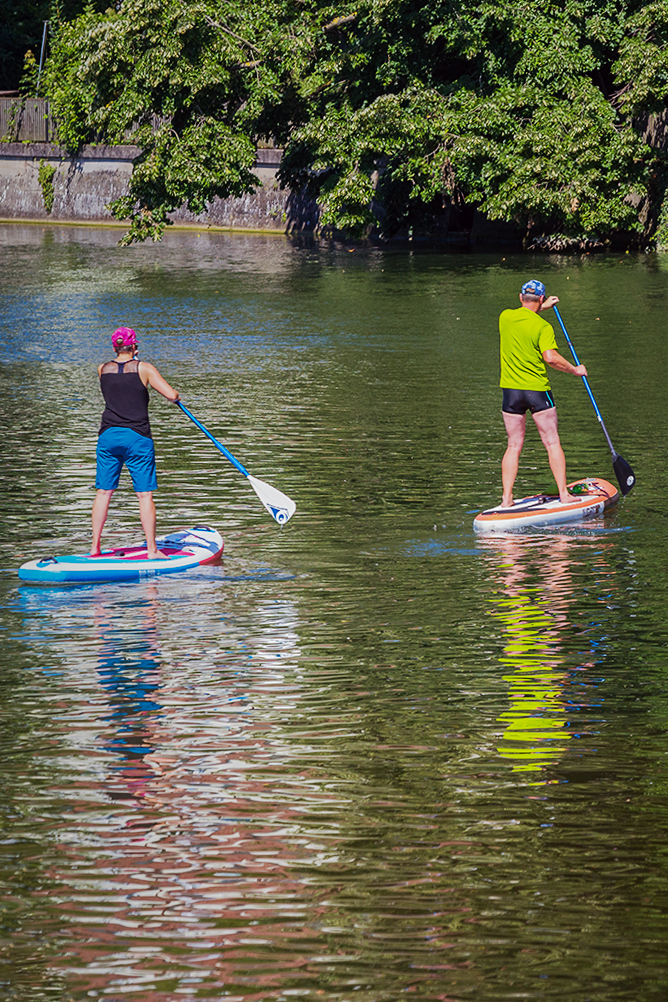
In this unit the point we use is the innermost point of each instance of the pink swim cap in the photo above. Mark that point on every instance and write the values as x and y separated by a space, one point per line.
124 337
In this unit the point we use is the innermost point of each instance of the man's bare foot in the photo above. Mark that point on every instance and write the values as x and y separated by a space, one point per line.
156 555
97 553
567 499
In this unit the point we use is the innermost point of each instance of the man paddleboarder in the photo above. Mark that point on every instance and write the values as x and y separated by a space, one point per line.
527 343
125 434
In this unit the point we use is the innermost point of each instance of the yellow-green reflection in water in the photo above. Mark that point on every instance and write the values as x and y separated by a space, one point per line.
534 589
537 708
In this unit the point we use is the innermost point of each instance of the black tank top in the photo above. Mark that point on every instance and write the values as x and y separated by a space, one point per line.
126 397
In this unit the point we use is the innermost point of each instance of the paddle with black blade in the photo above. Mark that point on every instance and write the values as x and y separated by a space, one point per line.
279 505
625 475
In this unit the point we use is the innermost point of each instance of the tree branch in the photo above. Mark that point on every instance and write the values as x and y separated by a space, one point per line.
338 21
228 31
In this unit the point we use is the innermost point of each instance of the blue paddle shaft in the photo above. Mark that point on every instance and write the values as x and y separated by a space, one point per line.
584 380
218 445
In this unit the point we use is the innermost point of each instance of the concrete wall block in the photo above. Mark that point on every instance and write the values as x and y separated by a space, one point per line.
83 189
80 191
265 209
83 186
20 192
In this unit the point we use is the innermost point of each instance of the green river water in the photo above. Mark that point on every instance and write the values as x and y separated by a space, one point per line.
370 756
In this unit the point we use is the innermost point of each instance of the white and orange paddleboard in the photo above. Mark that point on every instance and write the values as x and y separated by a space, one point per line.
591 497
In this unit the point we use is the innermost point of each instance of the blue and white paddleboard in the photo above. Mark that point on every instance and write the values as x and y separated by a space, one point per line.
182 550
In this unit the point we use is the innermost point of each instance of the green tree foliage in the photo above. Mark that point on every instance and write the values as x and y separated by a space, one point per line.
47 172
527 110
28 81
193 83
643 60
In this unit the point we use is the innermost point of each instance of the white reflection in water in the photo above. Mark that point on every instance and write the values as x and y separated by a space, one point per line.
184 809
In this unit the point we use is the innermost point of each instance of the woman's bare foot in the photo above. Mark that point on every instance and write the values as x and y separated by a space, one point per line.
506 504
156 555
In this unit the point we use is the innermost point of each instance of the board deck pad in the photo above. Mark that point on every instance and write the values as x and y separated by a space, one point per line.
182 550
591 496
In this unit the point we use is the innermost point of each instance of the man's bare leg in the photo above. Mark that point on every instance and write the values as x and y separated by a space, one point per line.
546 422
99 517
148 520
515 428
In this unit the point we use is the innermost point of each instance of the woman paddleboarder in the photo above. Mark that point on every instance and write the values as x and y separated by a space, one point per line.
125 434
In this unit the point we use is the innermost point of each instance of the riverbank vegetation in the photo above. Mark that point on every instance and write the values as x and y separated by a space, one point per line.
394 114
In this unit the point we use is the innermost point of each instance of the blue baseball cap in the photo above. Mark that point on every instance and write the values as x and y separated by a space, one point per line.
534 288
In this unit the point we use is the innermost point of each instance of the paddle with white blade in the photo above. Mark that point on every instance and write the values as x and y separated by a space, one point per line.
279 505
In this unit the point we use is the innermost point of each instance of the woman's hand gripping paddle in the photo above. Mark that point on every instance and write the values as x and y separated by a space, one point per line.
280 506
625 475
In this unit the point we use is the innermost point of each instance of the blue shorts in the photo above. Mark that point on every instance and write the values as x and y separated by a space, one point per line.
116 446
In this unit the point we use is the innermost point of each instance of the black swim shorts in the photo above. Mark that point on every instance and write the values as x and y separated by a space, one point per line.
521 401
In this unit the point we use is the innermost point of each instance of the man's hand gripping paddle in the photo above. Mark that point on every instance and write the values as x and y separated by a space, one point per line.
280 506
625 475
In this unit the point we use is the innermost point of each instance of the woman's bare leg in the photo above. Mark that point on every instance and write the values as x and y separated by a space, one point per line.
148 520
99 517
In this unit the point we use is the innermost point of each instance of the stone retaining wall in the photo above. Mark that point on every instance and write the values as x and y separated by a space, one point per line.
84 185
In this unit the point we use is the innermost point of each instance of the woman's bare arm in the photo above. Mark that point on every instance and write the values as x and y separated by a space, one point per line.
151 377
